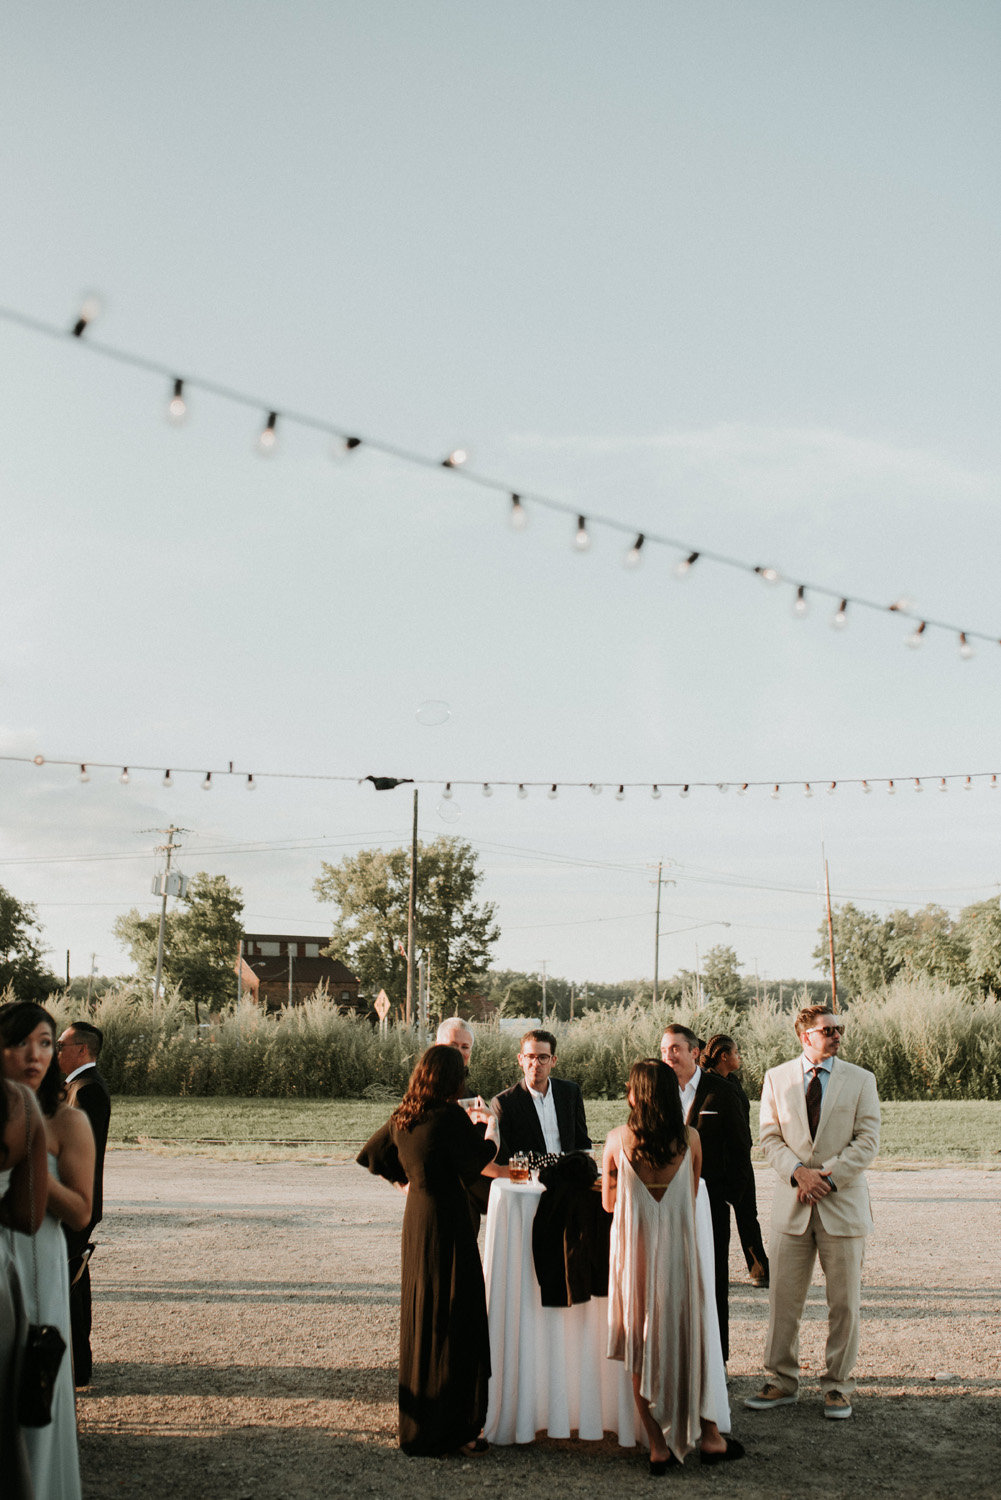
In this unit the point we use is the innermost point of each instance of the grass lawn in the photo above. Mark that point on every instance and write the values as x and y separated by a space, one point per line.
945 1133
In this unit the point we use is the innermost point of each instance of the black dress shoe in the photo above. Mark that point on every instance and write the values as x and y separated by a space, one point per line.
733 1449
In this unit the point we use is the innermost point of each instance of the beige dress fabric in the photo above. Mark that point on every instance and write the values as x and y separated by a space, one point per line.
655 1301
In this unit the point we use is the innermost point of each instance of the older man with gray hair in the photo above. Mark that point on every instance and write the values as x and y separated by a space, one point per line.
453 1032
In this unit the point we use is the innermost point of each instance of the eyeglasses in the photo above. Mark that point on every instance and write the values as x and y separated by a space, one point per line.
827 1030
61 1045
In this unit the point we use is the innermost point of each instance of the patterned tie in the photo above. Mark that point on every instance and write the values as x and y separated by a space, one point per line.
814 1099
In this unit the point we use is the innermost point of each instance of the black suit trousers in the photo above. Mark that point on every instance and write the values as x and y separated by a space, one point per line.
77 1241
720 1211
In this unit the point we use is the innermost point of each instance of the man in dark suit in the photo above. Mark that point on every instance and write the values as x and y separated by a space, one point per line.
79 1048
541 1114
710 1104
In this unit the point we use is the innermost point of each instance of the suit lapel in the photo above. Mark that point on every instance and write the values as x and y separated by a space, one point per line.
835 1084
563 1124
530 1119
797 1096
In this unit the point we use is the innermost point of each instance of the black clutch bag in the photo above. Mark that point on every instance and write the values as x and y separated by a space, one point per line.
40 1360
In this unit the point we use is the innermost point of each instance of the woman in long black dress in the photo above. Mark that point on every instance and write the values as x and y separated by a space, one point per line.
430 1147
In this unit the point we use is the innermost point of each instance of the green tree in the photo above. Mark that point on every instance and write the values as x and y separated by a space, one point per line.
523 997
21 966
721 975
863 953
928 944
200 942
371 892
979 927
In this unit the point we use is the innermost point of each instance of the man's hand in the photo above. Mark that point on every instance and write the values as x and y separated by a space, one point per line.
811 1185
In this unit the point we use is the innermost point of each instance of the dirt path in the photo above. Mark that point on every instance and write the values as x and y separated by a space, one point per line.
246 1327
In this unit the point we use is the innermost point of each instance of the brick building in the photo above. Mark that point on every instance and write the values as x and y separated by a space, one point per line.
283 968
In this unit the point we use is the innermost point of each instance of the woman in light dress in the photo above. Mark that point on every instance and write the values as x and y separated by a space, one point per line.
23 1173
650 1176
28 1038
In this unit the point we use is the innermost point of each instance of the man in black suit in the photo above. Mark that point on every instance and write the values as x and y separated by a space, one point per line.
710 1104
541 1114
79 1048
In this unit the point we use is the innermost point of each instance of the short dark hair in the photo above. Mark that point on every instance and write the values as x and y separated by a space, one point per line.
540 1036
92 1037
685 1031
808 1017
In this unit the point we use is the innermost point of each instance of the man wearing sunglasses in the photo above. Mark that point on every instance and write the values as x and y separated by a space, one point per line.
819 1131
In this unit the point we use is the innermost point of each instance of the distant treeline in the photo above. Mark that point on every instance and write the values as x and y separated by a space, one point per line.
921 1042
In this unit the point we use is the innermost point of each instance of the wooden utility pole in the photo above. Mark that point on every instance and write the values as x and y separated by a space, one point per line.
411 915
830 934
543 962
290 974
656 935
168 849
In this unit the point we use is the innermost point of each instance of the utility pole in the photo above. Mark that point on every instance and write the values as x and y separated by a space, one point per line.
67 968
830 934
543 962
656 932
239 972
411 913
290 975
90 976
168 848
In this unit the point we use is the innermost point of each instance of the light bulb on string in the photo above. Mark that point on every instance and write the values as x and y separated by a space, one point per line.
343 446
522 790
807 789
775 792
840 617
890 788
770 575
914 639
917 784
655 792
487 789
89 310
207 783
447 792
582 537
742 789
866 788
968 784
684 790
168 779
455 459
943 784
620 795
832 788
684 565
965 649
268 439
38 760
519 515
993 783
84 773
124 777
799 605
251 784
633 557
722 786
595 788
177 408
553 792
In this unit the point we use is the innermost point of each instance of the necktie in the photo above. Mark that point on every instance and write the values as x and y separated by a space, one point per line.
814 1099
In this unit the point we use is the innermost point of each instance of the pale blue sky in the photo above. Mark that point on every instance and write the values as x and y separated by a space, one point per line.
727 272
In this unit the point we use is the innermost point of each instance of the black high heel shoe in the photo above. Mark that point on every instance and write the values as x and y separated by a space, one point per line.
733 1449
659 1466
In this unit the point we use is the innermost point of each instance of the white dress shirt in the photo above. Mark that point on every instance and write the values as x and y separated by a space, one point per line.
688 1092
77 1071
545 1107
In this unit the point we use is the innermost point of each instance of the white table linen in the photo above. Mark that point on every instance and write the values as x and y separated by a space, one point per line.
550 1370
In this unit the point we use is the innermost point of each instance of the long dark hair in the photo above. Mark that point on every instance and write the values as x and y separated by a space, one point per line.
715 1047
17 1021
655 1118
436 1080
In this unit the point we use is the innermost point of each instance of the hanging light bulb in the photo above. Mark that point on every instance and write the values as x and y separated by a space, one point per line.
446 794
965 649
832 788
455 459
942 785
914 639
343 446
582 537
620 795
177 410
866 788
775 793
207 783
251 784
168 779
633 556
522 790
685 564
917 784
770 575
993 783
799 605
742 788
90 310
38 760
968 784
268 439
488 790
596 788
124 778
519 515
807 790
684 790
890 788
655 792
840 617
722 786
84 773
553 792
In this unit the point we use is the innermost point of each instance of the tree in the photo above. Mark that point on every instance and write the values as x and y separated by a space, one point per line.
928 944
371 892
21 966
979 927
200 941
863 956
721 975
523 997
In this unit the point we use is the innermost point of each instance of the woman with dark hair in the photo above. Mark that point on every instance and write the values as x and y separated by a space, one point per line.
23 1172
722 1057
432 1149
28 1038
650 1177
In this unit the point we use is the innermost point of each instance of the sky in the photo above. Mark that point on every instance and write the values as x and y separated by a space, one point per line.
725 274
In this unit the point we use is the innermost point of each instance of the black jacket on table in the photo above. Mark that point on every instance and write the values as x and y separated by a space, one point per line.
521 1129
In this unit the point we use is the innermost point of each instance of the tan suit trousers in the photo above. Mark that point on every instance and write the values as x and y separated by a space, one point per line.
792 1259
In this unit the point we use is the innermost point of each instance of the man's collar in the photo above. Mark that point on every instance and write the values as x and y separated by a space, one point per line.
535 1093
693 1082
77 1071
808 1066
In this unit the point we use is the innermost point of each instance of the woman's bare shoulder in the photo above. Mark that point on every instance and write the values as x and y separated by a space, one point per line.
71 1126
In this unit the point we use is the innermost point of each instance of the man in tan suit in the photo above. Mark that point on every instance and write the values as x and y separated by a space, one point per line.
819 1130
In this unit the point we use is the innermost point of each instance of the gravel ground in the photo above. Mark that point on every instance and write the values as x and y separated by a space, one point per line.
246 1328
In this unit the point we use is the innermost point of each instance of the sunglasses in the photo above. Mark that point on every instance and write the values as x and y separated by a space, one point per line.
827 1030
